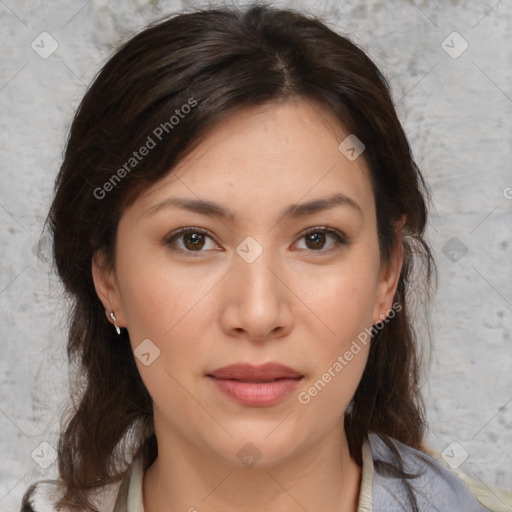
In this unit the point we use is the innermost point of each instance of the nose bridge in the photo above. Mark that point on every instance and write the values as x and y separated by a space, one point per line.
259 298
253 266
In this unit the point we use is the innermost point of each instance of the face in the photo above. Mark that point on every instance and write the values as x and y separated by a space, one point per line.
264 283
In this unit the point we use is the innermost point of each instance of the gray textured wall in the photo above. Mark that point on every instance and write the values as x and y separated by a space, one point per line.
455 103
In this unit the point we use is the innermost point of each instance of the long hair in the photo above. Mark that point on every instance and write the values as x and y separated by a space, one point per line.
215 61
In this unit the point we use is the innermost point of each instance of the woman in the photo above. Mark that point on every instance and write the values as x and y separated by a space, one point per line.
236 220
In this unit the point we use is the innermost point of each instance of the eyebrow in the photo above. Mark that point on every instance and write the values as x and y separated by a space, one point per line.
296 210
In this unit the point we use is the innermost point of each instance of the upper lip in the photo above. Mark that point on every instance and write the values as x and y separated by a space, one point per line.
248 371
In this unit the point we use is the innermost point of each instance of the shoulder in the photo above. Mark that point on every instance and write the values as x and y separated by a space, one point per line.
43 495
434 487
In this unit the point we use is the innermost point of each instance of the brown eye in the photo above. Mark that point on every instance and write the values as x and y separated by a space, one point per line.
193 241
189 239
316 238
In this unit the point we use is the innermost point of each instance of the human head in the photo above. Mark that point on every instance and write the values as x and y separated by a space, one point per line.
217 62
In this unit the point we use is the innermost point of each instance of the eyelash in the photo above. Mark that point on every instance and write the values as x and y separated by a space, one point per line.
340 239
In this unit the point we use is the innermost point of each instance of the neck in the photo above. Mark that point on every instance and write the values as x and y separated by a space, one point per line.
185 478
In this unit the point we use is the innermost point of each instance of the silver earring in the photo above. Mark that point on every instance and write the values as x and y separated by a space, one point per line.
115 322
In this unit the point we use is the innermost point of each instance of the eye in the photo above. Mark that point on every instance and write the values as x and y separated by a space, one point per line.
192 239
316 238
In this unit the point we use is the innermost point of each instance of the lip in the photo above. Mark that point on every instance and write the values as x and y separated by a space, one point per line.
256 385
251 372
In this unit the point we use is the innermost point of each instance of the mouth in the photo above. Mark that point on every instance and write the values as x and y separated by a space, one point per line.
253 385
248 372
258 381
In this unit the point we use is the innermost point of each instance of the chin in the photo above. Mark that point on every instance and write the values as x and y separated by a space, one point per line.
258 449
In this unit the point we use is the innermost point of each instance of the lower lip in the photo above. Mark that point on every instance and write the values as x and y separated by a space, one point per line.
257 393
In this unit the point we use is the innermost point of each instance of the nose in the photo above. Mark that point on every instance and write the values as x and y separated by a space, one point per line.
257 302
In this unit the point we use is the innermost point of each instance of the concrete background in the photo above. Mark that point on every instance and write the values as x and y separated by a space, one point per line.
456 106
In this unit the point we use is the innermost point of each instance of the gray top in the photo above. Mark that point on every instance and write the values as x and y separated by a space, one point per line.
436 488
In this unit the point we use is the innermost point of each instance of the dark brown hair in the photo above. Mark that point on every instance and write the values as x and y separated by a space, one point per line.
217 61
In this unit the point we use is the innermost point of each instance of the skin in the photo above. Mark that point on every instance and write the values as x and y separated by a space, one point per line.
301 302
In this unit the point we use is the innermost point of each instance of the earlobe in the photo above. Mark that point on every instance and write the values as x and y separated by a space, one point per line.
106 286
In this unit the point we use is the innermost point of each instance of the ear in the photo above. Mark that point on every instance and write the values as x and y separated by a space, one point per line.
389 276
106 286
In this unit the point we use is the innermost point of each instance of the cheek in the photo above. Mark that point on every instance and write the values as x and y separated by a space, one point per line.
171 307
336 382
343 302
156 296
342 298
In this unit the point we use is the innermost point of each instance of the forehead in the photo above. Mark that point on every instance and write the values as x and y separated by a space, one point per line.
268 154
